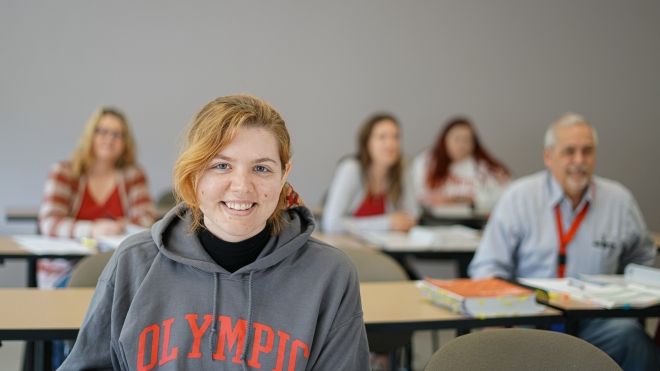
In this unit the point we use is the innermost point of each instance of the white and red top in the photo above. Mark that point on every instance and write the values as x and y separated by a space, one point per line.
61 214
467 178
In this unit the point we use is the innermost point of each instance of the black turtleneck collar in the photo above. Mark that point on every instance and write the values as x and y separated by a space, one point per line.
233 256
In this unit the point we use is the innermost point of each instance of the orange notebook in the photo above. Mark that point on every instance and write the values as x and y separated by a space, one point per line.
491 297
480 288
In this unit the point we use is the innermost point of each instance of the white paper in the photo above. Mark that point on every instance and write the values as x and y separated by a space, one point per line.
442 238
604 294
41 245
112 242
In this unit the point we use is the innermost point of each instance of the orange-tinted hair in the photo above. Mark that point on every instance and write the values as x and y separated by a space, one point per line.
212 129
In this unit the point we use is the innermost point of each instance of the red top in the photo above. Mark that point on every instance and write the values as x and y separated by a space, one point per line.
110 209
371 205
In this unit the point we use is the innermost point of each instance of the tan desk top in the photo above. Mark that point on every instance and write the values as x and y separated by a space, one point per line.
573 305
393 303
401 302
10 247
656 238
34 309
388 302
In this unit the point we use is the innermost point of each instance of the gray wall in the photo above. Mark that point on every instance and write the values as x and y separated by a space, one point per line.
512 65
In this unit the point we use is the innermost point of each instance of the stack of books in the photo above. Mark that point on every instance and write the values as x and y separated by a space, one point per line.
480 298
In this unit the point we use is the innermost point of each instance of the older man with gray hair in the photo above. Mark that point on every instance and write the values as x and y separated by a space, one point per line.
564 221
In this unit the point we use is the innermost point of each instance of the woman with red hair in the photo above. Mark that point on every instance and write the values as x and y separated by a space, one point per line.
458 171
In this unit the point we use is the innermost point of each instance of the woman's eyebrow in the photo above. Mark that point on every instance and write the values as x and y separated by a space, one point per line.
264 159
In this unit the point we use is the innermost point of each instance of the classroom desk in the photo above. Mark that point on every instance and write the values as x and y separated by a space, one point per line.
10 249
21 214
30 214
460 255
57 314
393 306
576 310
36 314
39 316
471 218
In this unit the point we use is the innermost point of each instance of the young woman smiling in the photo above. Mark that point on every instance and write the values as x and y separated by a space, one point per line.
230 278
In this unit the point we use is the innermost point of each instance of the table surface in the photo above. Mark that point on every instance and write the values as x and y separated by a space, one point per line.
35 309
10 247
401 302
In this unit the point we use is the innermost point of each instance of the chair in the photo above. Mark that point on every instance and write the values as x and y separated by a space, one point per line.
520 349
86 273
374 266
166 200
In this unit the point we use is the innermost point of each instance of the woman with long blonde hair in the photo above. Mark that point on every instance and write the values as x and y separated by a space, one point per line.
101 188
97 192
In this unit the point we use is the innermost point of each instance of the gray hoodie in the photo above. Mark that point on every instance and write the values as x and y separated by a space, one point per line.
163 303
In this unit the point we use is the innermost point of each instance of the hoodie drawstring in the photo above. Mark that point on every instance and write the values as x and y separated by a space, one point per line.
214 327
248 338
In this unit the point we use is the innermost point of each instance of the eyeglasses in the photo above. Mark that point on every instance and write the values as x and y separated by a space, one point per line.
111 133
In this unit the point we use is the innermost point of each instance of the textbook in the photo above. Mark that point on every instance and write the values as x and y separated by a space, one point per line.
638 287
491 297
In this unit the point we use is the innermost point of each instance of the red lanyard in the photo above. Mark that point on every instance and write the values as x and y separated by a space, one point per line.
565 239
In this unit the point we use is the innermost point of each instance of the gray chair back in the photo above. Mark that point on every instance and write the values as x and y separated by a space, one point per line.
86 273
520 349
374 266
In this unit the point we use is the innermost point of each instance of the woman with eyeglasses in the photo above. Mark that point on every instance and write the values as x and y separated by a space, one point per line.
101 189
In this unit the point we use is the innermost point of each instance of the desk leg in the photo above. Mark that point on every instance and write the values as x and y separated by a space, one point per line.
39 354
404 261
463 263
572 326
409 355
32 272
28 356
35 351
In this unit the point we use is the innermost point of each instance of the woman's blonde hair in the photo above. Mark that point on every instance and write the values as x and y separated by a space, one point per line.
83 156
214 127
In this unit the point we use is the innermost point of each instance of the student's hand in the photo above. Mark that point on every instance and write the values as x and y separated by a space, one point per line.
401 221
108 227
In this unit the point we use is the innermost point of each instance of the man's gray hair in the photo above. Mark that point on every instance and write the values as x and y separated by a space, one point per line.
568 119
